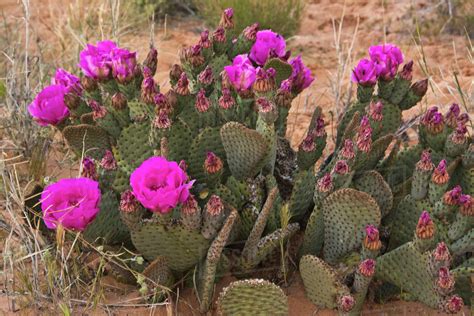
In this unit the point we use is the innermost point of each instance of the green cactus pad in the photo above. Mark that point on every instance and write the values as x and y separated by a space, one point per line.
208 140
346 213
179 138
245 148
464 244
400 89
88 118
349 118
140 111
321 283
282 68
107 226
314 233
121 181
408 269
218 63
158 278
372 182
209 268
252 297
302 195
133 147
92 140
463 280
182 249
403 220
392 117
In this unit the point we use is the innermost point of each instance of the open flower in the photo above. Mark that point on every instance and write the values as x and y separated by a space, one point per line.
49 107
160 185
95 61
241 73
267 45
301 77
386 58
364 73
72 203
70 82
124 65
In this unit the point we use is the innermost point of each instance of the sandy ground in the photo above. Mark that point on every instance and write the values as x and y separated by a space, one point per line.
374 23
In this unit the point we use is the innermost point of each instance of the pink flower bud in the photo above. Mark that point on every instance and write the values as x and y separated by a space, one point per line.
347 151
162 120
440 174
89 169
108 162
325 184
425 163
425 227
128 202
226 101
346 303
367 268
341 167
202 103
213 164
215 205
250 32
206 77
190 206
452 197
182 85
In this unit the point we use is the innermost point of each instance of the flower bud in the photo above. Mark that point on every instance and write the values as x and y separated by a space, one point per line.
227 19
367 268
425 227
452 115
425 163
204 41
89 84
190 206
151 60
441 253
372 238
128 202
148 90
364 140
463 118
375 111
182 85
452 197
202 103
265 80
453 305
98 111
319 130
215 206
467 205
347 151
175 73
119 101
88 169
407 71
341 167
161 102
206 77
420 87
226 101
213 164
283 96
250 32
108 162
440 174
325 184
162 120
346 303
445 281
459 135
219 35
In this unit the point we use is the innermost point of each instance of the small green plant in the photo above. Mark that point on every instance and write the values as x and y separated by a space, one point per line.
281 16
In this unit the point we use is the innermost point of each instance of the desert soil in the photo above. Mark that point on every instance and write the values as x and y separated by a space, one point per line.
315 40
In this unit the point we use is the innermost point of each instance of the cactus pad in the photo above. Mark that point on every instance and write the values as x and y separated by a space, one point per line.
346 213
302 194
90 139
107 226
208 140
180 136
372 182
252 297
408 269
314 233
246 149
182 249
321 283
133 147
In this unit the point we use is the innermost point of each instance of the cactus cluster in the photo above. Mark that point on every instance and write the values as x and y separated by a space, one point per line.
200 180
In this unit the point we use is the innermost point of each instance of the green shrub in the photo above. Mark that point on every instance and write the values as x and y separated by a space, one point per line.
282 16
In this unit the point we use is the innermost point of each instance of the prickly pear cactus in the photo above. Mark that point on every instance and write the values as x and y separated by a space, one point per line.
243 297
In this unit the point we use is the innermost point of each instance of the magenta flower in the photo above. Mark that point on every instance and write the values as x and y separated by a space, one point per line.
301 76
160 185
124 64
69 81
72 203
49 107
364 73
386 59
95 61
241 73
267 45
